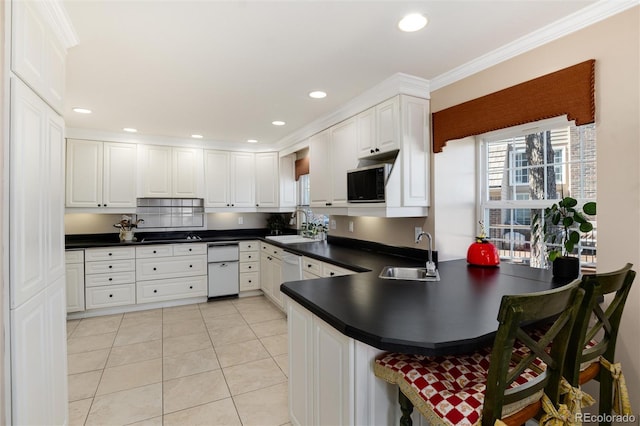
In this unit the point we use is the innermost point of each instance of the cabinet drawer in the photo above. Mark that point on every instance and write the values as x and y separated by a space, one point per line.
249 256
249 281
102 297
189 249
109 253
160 250
309 275
312 265
175 288
329 270
250 267
113 278
109 266
249 245
171 267
271 250
74 256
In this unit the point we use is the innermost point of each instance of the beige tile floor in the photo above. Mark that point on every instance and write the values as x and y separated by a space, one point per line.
216 363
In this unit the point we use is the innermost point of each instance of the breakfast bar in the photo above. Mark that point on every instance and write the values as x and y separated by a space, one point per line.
339 325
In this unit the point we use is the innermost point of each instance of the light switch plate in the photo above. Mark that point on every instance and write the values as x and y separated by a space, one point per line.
333 224
350 226
240 220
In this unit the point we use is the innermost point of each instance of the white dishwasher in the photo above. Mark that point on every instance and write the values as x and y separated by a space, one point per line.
223 270
291 267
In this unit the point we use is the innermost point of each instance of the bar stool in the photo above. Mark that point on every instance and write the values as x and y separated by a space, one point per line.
596 331
509 382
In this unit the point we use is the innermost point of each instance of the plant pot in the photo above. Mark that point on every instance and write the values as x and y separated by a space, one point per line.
566 267
126 235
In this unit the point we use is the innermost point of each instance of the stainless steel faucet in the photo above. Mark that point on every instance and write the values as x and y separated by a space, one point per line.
430 265
293 216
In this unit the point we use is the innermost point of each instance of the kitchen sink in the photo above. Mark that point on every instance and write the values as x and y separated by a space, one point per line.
410 274
290 239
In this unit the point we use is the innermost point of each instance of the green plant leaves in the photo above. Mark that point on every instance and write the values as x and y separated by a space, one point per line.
586 227
568 202
589 208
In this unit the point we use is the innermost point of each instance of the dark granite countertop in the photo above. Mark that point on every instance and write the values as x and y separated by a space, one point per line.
455 315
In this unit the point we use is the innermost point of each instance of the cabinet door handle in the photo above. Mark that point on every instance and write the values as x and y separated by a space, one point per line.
155 269
154 252
377 149
309 266
191 287
275 252
110 266
257 205
190 266
249 281
110 279
111 295
332 274
249 267
190 249
372 151
155 291
110 254
248 257
227 205
105 205
328 204
232 205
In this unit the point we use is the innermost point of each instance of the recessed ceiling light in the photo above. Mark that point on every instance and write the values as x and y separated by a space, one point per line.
318 94
82 110
197 136
412 22
278 123
130 129
252 140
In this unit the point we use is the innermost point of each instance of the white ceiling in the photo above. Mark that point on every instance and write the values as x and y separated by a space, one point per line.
227 69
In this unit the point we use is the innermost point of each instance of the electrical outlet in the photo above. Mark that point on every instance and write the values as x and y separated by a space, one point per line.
333 224
350 226
240 220
418 231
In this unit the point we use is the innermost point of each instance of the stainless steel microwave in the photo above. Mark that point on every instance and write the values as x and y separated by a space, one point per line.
367 184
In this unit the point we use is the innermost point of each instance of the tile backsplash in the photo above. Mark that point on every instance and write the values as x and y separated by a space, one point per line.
170 212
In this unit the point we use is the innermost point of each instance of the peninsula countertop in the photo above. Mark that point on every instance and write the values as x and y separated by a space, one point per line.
455 315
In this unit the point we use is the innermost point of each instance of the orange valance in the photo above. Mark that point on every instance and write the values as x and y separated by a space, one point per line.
569 91
302 167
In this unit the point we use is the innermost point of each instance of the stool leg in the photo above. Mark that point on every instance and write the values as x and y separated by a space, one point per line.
407 408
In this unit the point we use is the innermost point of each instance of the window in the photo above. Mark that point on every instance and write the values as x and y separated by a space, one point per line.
303 190
522 170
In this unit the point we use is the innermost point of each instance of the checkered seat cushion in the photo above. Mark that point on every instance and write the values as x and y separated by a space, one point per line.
449 390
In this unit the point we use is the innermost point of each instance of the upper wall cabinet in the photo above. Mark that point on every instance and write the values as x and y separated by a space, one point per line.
378 129
37 57
171 172
267 179
101 174
229 179
288 181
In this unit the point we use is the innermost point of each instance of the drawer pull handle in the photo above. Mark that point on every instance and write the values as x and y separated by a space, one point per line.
155 269
309 266
110 266
110 254
111 295
249 281
191 287
190 266
110 279
249 257
275 252
332 274
154 252
155 291
248 267
190 249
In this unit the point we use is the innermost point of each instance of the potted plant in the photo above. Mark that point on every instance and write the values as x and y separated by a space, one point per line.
126 227
276 223
562 226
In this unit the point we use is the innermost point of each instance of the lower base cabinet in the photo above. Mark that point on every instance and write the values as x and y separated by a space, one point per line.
170 289
331 379
111 295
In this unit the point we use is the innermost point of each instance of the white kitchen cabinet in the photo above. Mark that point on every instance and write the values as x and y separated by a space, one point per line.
366 124
321 388
378 129
319 169
229 179
39 358
249 265
109 277
288 181
267 179
37 56
343 157
101 174
74 266
170 272
312 266
330 270
171 172
332 153
271 272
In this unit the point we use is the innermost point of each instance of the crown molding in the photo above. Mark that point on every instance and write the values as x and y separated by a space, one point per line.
136 138
583 18
397 84
55 14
